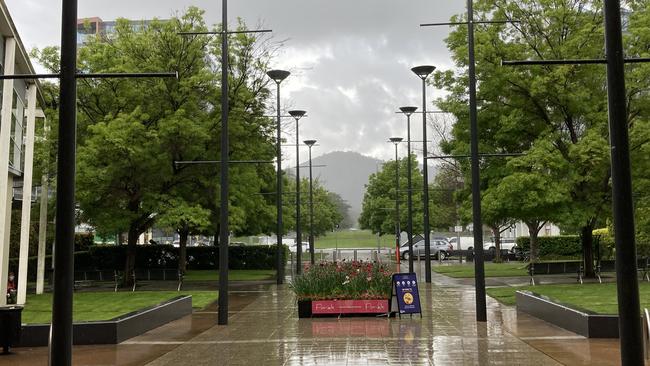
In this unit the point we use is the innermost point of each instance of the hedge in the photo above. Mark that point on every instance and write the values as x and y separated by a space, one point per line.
81 259
554 246
111 257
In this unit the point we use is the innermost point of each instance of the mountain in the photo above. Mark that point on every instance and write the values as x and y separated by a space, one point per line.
346 173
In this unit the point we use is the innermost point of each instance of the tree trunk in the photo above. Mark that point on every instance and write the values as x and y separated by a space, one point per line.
130 256
533 231
497 243
182 250
587 240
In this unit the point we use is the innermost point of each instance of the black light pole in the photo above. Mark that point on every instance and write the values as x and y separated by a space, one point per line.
278 76
423 73
396 141
297 115
311 143
627 283
225 156
408 111
61 341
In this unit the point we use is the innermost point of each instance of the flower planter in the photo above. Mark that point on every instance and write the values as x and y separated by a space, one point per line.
319 308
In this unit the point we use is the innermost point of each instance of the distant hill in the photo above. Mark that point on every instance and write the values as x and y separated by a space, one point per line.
347 173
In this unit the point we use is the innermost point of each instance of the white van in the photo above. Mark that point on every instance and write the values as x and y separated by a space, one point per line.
466 242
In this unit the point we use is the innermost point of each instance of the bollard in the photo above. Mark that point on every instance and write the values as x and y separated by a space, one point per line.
355 254
334 256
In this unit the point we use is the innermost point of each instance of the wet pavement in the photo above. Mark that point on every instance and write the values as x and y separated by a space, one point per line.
264 329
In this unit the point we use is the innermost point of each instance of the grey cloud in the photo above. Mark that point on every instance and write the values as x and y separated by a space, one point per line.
344 47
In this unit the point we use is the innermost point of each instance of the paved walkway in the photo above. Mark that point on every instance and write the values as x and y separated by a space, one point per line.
268 332
264 330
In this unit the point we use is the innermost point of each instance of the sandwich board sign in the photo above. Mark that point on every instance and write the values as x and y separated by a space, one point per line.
405 294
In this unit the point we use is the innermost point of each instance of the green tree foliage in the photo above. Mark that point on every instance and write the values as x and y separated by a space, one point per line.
132 131
378 207
327 208
557 114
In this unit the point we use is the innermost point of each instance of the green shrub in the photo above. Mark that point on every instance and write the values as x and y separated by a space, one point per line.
81 260
166 256
550 247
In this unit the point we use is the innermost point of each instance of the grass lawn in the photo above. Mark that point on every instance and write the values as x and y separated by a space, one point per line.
107 305
354 239
600 298
491 270
233 275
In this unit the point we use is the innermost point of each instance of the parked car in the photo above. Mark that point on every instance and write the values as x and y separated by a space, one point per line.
439 249
506 244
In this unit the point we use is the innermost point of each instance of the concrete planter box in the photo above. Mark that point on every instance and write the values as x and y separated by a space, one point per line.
320 308
113 331
580 321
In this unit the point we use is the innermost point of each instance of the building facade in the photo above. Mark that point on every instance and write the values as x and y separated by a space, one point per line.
20 111
95 26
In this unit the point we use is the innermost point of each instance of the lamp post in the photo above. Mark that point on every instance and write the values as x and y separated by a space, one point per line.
297 115
408 111
423 73
278 76
312 250
396 141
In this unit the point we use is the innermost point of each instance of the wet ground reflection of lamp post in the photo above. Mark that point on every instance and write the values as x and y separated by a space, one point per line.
423 73
297 115
408 111
312 250
278 76
396 141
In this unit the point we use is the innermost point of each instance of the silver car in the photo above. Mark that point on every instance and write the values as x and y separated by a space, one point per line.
439 249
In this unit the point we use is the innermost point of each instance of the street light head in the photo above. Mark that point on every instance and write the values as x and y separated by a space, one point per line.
297 114
423 71
396 140
408 110
310 143
278 75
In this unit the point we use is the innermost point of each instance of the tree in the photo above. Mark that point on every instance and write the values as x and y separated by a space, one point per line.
378 205
560 108
327 208
131 132
185 219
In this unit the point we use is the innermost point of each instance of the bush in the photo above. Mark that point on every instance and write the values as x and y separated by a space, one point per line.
81 260
554 246
112 257
83 242
166 256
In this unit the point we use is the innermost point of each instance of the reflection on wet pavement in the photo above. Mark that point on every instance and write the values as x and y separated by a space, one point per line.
264 329
446 335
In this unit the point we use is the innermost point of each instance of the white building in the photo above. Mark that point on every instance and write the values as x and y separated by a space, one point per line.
20 111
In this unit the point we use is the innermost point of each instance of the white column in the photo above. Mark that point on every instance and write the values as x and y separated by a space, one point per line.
25 223
42 222
6 182
42 234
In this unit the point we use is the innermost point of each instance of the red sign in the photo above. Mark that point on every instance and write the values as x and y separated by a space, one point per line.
349 306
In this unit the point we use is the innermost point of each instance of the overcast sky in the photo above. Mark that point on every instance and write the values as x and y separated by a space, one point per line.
350 59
